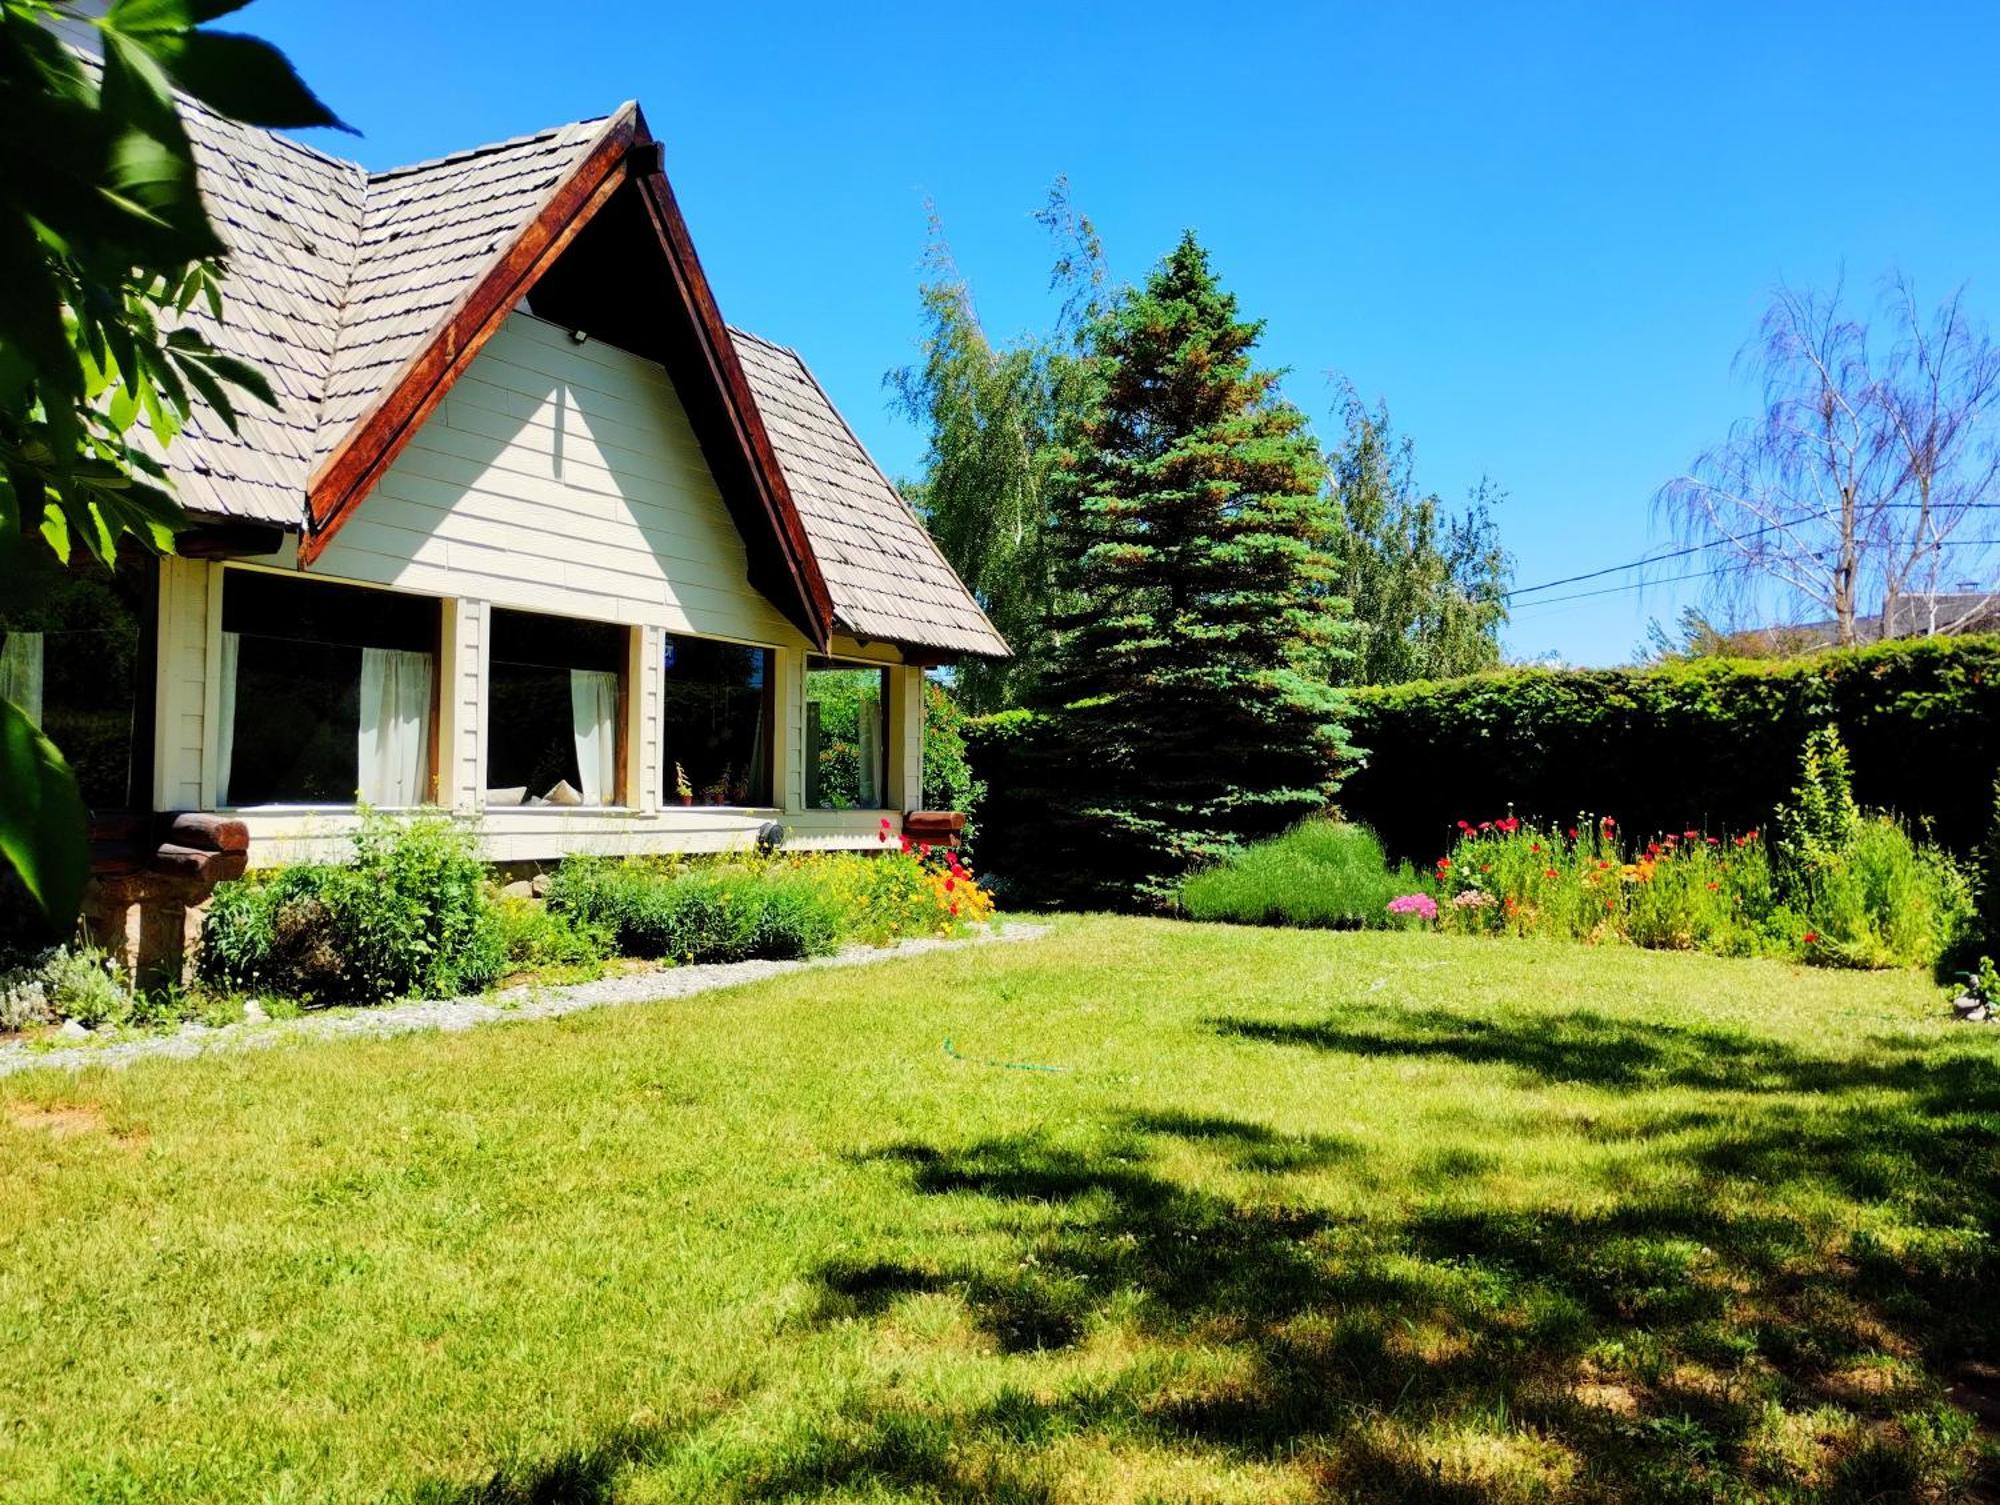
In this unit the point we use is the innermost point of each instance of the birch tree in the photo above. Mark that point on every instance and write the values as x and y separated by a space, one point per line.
1858 492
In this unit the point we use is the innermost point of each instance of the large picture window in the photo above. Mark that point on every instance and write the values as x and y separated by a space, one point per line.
846 735
69 653
327 693
557 710
715 723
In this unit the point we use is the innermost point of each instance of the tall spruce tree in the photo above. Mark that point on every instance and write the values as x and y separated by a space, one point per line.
1189 690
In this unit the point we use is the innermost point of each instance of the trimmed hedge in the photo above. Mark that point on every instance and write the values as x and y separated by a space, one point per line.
1712 744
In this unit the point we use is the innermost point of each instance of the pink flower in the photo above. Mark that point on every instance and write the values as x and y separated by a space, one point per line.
1421 905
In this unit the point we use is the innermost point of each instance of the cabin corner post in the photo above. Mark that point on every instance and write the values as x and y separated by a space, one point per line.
461 753
646 664
906 738
788 777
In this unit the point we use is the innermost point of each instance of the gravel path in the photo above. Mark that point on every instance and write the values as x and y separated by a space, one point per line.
464 1013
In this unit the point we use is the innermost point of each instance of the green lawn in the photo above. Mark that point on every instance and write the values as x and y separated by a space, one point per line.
1382 1217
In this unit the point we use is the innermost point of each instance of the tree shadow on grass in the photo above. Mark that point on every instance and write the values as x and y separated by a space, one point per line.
1778 1323
1773 1317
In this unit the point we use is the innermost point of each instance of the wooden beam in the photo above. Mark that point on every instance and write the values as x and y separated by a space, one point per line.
717 352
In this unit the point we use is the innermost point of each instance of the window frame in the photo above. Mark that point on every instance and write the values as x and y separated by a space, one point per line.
622 761
217 797
774 660
810 663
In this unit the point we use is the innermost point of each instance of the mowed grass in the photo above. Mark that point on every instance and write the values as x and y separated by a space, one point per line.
1304 1216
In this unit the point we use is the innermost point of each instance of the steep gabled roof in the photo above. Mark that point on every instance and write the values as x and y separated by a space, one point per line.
366 295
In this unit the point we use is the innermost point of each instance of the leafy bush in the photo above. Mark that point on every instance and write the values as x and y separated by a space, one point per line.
949 783
1320 874
1712 743
697 912
532 936
64 982
779 907
409 917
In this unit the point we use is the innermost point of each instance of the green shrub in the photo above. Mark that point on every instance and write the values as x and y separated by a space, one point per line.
64 982
1713 743
1320 874
696 912
949 782
532 936
409 917
779 906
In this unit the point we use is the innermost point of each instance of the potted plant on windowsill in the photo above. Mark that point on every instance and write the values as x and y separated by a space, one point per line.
683 790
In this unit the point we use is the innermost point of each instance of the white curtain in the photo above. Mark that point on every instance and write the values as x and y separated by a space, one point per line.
21 672
395 743
869 774
225 713
593 703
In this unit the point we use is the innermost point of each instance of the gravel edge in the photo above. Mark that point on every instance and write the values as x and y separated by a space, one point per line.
452 1014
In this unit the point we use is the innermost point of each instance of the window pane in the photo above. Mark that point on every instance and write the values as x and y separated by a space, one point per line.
715 720
68 655
557 688
327 693
846 735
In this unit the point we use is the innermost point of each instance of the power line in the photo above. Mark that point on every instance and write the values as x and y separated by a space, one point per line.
1701 548
1613 590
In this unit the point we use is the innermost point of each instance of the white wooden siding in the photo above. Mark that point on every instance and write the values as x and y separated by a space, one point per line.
560 477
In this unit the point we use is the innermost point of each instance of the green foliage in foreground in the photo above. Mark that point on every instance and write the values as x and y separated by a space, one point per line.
1319 874
1371 1218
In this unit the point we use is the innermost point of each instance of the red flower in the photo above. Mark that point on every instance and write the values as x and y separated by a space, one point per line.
881 835
885 822
1609 823
1550 873
1652 849
1535 847
1713 842
1690 835
1444 864
1572 833
1713 887
1811 937
924 850
1465 825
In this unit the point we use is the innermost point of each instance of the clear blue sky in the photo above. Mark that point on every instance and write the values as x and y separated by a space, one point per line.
1540 232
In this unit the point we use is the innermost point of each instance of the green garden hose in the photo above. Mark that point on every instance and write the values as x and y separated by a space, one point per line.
952 1051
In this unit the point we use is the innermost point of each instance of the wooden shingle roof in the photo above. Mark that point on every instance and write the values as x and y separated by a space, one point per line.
887 577
340 284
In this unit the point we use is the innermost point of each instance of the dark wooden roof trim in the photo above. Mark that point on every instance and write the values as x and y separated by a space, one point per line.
799 566
367 449
625 152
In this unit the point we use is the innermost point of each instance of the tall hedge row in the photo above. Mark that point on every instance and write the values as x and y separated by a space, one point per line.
1712 744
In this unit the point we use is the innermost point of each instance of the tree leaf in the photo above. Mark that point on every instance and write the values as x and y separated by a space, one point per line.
44 828
245 78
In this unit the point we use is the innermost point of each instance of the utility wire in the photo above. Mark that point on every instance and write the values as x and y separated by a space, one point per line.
1613 590
1701 548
